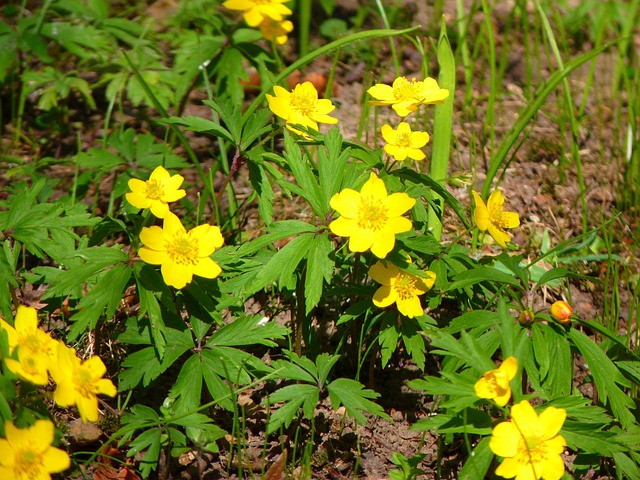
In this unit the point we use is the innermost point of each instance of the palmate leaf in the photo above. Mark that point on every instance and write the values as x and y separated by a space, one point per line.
294 397
355 398
478 463
248 331
319 270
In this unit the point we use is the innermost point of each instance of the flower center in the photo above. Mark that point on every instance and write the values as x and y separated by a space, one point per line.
28 464
372 214
303 102
404 139
183 249
408 90
405 286
154 189
496 217
531 451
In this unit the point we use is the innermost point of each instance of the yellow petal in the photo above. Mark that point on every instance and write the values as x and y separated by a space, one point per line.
496 200
153 237
511 467
502 399
152 257
410 307
172 225
510 220
484 389
343 227
404 108
398 225
382 274
41 435
361 240
399 153
383 242
510 367
106 387
552 420
279 106
159 209
65 394
419 139
160 174
389 134
55 460
504 439
207 268
416 154
398 204
552 467
346 203
480 212
500 236
26 321
138 199
525 417
382 92
384 296
88 408
176 275
209 240
136 185
95 366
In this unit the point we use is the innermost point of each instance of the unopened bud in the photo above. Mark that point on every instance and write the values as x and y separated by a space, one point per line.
526 317
561 311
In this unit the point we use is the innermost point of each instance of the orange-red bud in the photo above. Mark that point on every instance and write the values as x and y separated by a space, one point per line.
561 311
526 317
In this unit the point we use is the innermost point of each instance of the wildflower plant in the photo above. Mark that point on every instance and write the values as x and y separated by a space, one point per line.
286 306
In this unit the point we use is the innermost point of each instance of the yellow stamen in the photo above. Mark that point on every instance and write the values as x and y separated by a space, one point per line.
154 189
372 214
183 250
405 286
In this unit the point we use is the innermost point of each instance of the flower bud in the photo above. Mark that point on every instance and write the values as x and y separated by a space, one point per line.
561 311
526 317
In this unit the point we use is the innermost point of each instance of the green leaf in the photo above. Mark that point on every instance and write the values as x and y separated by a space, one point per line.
293 396
101 301
478 463
305 177
149 440
201 125
355 399
320 265
607 378
627 465
187 389
248 331
481 274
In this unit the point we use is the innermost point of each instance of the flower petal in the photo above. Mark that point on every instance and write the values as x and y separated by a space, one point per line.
510 220
176 275
500 236
480 212
343 227
382 92
207 268
382 274
55 460
552 419
398 204
510 367
374 188
346 203
384 296
153 238
160 174
410 307
159 209
504 439
383 242
138 200
360 240
26 321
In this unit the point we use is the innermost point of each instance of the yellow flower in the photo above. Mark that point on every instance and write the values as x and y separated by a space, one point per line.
370 218
530 443
181 254
27 454
494 384
80 382
491 217
157 192
561 311
403 143
275 31
36 349
405 96
400 287
301 106
255 11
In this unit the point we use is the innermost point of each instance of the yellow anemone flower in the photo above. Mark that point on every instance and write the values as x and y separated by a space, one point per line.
27 453
157 192
530 443
494 384
181 254
371 218
404 96
400 288
301 106
36 349
275 31
255 11
403 143
491 217
79 383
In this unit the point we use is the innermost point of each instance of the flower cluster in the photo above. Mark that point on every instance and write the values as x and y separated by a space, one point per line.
34 355
530 443
404 97
268 15
180 253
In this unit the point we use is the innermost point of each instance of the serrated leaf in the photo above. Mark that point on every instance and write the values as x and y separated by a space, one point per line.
248 331
478 463
293 396
201 125
481 274
320 266
355 398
